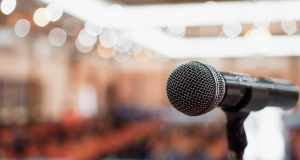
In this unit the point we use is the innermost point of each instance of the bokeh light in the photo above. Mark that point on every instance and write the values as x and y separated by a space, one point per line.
71 26
208 31
297 32
8 6
108 38
42 47
259 41
129 52
57 37
176 35
121 56
163 58
211 10
105 52
123 37
141 57
93 27
150 53
7 37
222 34
55 11
221 49
232 28
262 22
209 7
176 27
124 47
98 61
40 18
288 25
86 39
82 48
210 4
22 27
116 15
135 49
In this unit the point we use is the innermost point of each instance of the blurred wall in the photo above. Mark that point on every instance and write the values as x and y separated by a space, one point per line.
57 73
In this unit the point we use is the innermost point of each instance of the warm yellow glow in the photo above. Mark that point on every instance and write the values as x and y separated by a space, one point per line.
142 57
259 41
40 18
248 33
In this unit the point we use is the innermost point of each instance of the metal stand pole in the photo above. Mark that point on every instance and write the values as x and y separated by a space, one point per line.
236 136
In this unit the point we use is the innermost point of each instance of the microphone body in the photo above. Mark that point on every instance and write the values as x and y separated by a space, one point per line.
245 93
195 88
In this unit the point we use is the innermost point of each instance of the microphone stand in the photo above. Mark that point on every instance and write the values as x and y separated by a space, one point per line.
236 136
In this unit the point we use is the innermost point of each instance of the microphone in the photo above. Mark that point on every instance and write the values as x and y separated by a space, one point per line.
195 88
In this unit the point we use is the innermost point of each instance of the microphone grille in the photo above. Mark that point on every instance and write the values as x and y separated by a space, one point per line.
195 88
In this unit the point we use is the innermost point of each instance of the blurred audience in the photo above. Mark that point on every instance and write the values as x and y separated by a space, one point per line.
114 137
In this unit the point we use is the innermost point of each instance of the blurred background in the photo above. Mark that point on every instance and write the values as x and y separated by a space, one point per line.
85 79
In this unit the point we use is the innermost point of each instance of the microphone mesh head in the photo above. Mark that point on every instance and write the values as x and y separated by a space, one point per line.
195 88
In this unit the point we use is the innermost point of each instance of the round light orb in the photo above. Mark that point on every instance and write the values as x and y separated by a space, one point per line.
208 31
150 53
22 27
232 28
98 61
116 15
55 11
40 18
288 25
115 8
93 27
259 41
8 6
121 56
57 37
108 38
297 32
105 52
222 47
222 34
82 48
262 22
86 39
123 37
176 35
42 47
176 27
141 57
71 26
7 37
124 47
130 52
135 49
210 4
163 58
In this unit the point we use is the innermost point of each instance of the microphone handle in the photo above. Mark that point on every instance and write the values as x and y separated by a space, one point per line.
245 93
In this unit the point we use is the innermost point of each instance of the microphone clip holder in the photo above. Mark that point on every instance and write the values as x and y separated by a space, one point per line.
236 136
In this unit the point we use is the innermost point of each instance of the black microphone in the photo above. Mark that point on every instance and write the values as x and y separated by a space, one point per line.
195 88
